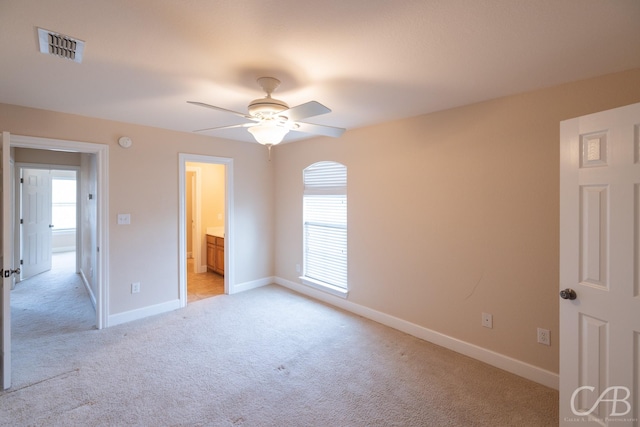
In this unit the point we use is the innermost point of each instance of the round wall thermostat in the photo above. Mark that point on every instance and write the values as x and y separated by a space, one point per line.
125 142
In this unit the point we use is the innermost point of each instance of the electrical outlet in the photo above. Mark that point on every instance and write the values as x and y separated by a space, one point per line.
487 320
135 287
544 337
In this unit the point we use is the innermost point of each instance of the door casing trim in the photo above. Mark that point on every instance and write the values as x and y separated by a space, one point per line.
101 151
229 243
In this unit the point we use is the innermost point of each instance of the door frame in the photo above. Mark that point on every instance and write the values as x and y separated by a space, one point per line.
229 243
196 243
8 260
101 151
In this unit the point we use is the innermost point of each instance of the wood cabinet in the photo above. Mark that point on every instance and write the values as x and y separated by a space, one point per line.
215 254
211 252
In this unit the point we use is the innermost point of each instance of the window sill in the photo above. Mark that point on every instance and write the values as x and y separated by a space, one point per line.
325 287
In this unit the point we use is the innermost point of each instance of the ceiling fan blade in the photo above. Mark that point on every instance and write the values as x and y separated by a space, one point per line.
302 111
243 125
319 129
202 104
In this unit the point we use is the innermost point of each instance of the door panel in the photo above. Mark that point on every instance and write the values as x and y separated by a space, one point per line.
594 233
599 259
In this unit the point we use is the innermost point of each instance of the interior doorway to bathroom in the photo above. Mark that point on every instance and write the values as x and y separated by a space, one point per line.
205 225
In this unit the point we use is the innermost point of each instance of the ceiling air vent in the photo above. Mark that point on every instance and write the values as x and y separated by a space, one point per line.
60 45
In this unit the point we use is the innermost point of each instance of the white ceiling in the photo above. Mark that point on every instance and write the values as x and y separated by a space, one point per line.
370 61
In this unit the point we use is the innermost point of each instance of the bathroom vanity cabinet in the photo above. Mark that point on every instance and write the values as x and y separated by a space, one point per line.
215 254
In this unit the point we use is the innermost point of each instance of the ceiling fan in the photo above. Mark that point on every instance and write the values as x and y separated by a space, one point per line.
271 119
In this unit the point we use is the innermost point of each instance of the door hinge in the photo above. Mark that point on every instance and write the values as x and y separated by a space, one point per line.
21 221
21 180
21 262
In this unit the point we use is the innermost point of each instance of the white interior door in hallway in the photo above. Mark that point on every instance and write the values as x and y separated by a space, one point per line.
35 220
599 268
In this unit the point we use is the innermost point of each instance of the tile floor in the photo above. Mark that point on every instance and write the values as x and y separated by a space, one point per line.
202 285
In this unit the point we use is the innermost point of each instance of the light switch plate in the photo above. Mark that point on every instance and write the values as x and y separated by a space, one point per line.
124 219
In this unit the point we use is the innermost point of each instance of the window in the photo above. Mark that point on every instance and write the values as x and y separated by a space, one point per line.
325 227
63 203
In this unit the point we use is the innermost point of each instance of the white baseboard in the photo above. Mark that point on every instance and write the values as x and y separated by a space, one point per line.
246 286
140 313
87 286
498 360
61 249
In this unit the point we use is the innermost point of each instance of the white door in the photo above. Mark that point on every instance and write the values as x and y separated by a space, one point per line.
36 221
7 276
600 268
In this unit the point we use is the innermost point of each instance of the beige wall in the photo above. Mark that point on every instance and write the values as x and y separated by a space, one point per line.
89 221
143 181
454 213
212 196
60 158
450 214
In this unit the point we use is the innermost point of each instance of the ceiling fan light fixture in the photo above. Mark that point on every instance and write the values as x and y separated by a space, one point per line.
267 107
271 119
268 133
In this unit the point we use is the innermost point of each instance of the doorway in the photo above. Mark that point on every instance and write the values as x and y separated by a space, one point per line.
205 226
205 199
92 177
46 218
95 245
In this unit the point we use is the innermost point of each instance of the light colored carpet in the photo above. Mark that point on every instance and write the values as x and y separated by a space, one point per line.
266 357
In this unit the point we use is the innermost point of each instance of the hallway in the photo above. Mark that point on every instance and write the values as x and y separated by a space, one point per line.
55 301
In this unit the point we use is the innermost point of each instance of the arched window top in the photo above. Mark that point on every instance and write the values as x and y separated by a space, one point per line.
325 175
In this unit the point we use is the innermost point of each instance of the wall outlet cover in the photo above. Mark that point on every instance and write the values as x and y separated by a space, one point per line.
544 336
487 320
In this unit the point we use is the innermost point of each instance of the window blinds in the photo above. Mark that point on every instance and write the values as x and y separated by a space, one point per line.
325 176
325 223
